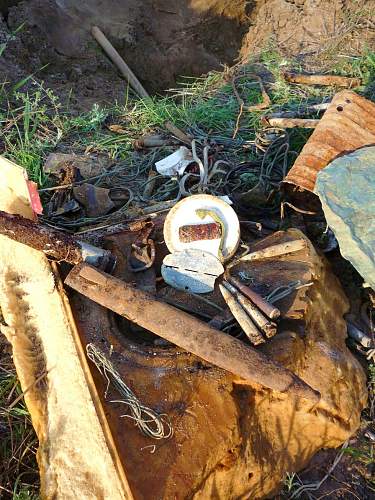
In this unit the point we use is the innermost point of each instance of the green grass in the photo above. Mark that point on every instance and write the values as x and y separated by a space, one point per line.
18 467
33 123
31 127
366 455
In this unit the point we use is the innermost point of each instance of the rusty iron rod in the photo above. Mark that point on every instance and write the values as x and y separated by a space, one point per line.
269 310
263 323
187 332
56 244
339 81
244 320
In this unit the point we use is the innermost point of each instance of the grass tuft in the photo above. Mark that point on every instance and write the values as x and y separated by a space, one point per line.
18 443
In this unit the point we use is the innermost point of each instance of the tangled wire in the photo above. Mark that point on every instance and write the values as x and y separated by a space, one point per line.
218 168
151 423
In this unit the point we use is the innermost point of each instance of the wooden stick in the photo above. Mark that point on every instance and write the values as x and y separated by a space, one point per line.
56 244
133 81
339 81
177 132
118 61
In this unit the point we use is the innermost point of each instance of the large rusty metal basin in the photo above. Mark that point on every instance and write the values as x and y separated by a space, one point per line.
233 439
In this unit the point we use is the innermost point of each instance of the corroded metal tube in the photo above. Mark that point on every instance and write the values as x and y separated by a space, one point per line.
263 323
269 309
56 244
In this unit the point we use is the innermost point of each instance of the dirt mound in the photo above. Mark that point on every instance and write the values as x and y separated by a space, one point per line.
315 31
162 40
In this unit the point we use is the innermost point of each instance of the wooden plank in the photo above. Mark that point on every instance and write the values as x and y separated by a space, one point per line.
77 455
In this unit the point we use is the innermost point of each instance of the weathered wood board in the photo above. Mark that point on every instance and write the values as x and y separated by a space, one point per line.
77 456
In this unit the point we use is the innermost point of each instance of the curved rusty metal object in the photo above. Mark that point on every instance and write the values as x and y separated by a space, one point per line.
348 124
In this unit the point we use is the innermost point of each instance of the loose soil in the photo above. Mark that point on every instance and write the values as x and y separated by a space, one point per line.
164 40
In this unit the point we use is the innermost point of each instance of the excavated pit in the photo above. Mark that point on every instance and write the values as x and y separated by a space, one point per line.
160 40
164 40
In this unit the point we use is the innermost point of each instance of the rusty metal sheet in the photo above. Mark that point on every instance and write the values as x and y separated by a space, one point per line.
348 124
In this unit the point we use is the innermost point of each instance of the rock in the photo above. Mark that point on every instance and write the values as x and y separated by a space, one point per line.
346 189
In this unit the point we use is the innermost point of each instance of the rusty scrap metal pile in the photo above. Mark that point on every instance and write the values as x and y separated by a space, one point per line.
200 243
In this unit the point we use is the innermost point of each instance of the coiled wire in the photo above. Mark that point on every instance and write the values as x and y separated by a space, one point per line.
151 423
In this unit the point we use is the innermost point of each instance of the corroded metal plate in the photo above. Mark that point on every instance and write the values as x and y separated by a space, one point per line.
348 124
191 270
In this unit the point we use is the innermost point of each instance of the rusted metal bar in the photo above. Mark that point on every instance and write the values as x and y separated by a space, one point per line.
263 323
186 331
276 250
270 310
56 244
246 323
195 232
335 80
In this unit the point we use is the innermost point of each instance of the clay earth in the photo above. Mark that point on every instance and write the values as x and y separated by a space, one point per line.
164 40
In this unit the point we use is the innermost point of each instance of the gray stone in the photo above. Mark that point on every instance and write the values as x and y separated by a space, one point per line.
346 188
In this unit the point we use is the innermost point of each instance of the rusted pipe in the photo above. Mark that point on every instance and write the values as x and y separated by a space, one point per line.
244 320
56 244
359 336
186 331
263 323
338 81
270 310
